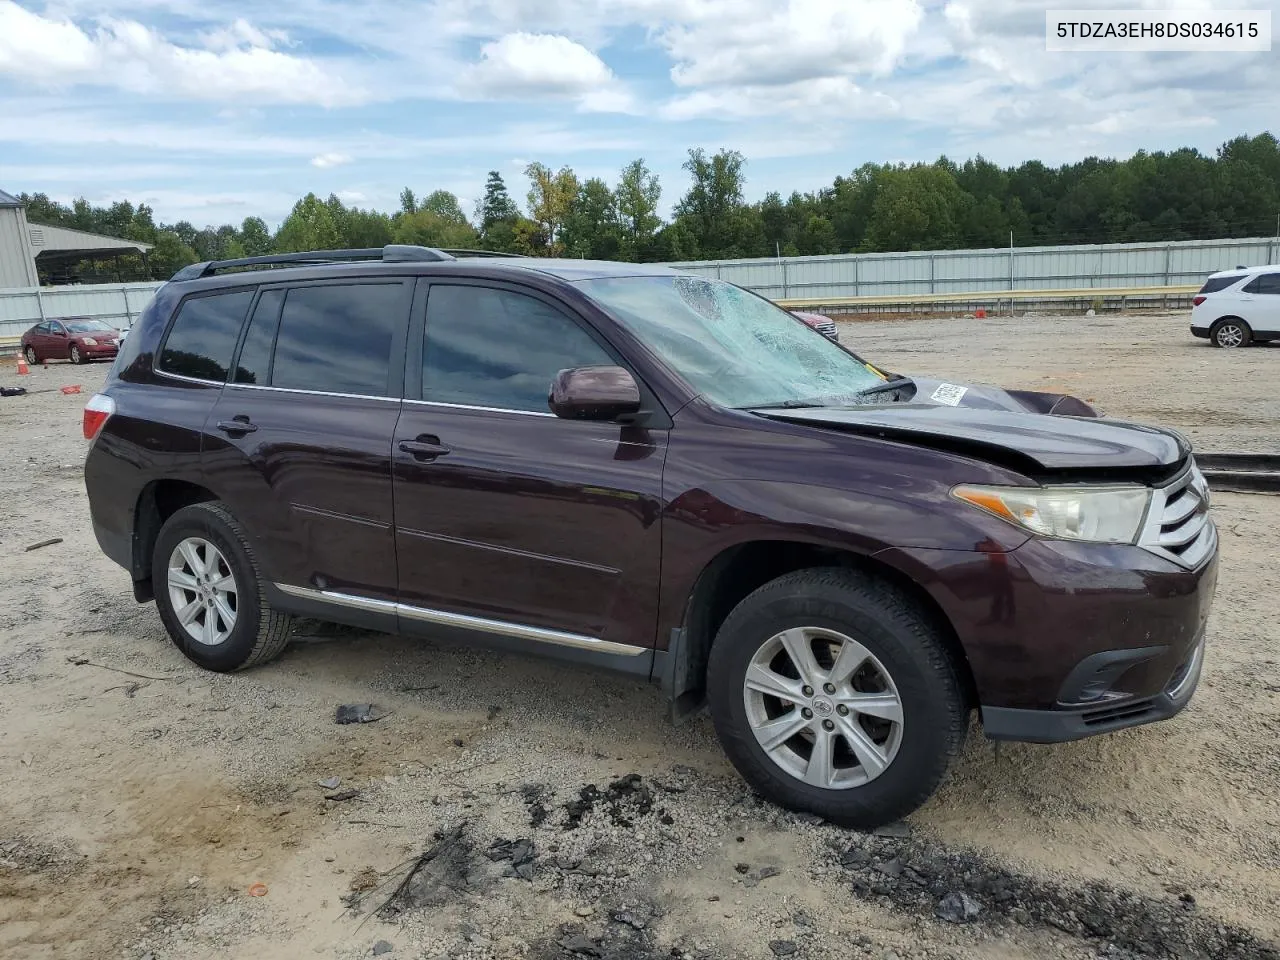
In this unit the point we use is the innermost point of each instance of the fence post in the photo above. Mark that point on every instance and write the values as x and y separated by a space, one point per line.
40 305
855 275
932 289
783 264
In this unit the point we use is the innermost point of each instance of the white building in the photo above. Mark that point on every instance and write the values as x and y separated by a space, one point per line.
23 245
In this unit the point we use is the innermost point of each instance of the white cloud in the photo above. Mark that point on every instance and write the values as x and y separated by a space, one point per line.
326 160
238 61
720 42
529 66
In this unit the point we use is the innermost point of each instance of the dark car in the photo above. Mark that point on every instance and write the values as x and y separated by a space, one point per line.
78 339
657 473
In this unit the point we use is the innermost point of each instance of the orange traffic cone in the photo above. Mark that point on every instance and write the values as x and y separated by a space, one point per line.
23 369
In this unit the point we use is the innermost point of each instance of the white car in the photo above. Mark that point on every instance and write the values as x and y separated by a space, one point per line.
1237 307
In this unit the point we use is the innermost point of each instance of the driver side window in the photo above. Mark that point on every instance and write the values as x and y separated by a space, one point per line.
487 347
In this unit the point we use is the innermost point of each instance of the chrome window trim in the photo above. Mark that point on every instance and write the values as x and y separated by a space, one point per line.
468 406
313 393
178 376
445 618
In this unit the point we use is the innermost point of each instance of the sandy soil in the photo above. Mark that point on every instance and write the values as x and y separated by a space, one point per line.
140 798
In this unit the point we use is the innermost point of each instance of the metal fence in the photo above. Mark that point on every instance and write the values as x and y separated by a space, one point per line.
117 303
827 279
836 278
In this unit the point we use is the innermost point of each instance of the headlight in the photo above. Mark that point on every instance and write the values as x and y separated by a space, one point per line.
1094 514
89 341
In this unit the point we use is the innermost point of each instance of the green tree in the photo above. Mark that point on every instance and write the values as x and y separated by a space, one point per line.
497 205
551 198
408 202
169 255
637 197
711 207
309 226
591 229
255 237
429 229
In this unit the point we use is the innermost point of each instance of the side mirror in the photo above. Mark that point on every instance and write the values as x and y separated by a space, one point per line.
594 393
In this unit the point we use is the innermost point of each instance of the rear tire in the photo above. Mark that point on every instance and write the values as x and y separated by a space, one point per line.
208 589
1230 332
872 769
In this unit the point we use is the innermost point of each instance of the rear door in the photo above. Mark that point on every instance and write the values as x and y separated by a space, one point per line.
299 444
1262 294
505 512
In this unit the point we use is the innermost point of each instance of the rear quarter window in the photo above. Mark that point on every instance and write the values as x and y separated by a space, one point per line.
203 335
1214 284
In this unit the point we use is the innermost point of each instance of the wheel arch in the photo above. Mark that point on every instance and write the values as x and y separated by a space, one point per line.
157 502
740 569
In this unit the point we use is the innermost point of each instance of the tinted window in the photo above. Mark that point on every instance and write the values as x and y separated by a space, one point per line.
203 335
1214 284
56 328
1264 283
254 365
338 338
494 348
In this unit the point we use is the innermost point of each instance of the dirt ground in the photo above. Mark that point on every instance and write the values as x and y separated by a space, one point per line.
509 807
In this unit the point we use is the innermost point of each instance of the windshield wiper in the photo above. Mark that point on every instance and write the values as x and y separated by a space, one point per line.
785 405
889 386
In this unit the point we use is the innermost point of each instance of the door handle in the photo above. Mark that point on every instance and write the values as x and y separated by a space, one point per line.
425 446
237 426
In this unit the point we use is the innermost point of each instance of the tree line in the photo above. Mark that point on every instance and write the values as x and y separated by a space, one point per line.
1158 196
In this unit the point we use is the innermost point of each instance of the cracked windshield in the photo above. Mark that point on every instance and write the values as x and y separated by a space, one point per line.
734 347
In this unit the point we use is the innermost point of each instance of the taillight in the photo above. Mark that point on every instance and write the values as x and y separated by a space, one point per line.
96 412
1196 301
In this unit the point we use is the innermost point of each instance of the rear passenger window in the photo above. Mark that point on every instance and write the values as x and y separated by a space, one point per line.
1214 284
495 348
204 334
337 337
1264 283
254 365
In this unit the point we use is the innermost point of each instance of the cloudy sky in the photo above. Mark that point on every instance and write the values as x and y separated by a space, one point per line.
212 110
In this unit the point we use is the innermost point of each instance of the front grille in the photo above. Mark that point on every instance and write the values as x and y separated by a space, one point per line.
1178 527
827 329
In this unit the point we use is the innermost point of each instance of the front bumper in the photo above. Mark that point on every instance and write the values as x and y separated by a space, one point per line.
1066 640
1075 723
101 351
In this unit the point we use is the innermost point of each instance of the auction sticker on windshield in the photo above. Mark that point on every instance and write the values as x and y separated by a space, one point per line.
949 393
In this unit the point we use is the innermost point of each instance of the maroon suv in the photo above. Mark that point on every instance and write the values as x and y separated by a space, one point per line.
659 473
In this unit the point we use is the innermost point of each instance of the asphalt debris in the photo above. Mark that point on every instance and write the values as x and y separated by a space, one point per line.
357 713
625 799
925 879
783 948
381 947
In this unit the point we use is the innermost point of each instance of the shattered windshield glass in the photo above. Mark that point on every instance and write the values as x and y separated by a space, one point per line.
733 347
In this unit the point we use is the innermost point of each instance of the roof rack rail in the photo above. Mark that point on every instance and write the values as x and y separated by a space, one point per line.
391 253
462 252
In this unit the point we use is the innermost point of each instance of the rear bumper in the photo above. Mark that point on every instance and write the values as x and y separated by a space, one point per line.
1201 332
1060 725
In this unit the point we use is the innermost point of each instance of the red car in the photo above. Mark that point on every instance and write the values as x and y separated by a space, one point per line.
824 325
77 339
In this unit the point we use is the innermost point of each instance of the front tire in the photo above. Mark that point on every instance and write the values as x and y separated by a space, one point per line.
208 589
75 355
31 355
833 694
1230 332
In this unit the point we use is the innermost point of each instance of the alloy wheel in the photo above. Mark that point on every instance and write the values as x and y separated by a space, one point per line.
31 355
202 591
1229 335
823 708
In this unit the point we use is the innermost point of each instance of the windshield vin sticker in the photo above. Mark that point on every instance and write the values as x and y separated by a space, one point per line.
949 393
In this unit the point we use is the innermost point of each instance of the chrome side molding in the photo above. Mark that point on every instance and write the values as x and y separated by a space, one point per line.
461 620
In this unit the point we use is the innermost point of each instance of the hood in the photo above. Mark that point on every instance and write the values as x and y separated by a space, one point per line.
1001 428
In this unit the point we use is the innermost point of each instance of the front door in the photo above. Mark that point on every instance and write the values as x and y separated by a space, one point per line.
1263 309
299 444
505 512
